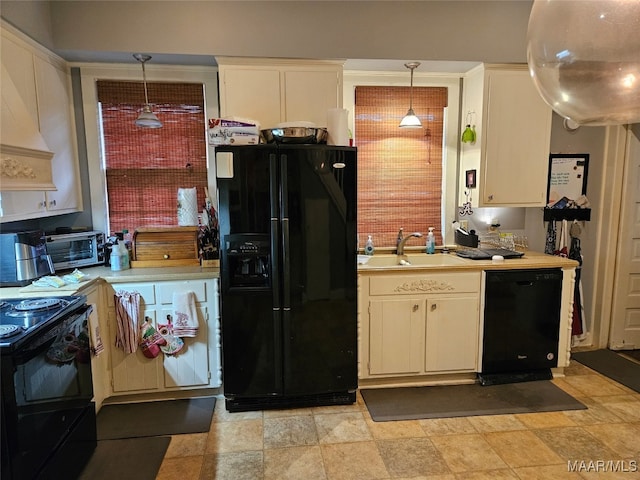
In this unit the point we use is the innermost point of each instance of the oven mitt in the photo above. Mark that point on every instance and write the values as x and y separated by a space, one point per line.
150 339
174 344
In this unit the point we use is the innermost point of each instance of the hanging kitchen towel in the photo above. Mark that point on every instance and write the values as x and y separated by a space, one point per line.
550 243
562 249
174 344
578 327
127 318
185 314
97 347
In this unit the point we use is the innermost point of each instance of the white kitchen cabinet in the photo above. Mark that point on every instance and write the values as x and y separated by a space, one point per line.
197 365
510 156
452 340
396 335
275 91
419 324
44 83
99 363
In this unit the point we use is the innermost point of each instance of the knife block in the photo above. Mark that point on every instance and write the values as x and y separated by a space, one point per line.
470 240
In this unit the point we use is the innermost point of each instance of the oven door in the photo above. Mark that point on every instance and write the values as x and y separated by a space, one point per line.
52 387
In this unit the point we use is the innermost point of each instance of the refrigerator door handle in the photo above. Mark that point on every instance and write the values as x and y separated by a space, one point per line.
274 195
284 220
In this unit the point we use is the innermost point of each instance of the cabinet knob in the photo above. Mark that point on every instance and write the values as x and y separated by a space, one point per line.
433 306
166 256
416 307
52 203
490 197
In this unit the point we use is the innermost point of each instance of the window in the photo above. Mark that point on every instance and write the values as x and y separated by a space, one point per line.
400 171
145 167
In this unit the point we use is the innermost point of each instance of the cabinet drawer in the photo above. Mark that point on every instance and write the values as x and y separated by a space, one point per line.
146 291
165 290
428 284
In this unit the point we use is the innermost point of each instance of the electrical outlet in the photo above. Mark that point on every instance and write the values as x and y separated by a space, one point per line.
464 224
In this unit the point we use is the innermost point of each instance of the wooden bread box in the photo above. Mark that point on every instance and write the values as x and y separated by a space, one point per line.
165 247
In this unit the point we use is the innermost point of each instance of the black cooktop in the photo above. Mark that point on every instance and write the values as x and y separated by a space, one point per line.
21 318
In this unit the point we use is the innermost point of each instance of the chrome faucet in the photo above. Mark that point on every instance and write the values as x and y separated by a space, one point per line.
402 240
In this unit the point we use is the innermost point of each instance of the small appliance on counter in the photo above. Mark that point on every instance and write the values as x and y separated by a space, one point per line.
23 258
76 249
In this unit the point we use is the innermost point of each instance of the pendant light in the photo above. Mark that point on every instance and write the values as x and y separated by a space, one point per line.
411 120
584 58
147 118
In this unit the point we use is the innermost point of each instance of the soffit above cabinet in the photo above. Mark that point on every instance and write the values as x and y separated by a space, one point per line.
25 158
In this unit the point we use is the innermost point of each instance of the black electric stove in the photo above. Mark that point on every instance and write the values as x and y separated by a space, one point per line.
24 318
48 416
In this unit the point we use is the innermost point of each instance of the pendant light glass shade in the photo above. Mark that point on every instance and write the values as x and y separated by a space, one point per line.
411 120
146 119
584 58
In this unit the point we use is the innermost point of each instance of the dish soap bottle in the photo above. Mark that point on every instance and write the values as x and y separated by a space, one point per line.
431 241
368 247
119 256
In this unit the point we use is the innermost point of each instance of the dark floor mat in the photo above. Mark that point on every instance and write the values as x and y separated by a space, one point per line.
126 459
148 419
411 403
612 365
635 354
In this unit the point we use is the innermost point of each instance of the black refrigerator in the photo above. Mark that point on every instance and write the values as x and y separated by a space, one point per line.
288 272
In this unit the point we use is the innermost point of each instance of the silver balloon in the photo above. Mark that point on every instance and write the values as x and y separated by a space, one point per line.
584 58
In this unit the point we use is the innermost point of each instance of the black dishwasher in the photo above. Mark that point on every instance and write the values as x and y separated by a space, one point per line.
521 325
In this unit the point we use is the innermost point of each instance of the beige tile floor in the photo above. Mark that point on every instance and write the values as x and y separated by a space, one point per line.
343 443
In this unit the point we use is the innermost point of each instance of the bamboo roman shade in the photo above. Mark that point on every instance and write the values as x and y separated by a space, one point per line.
145 167
399 170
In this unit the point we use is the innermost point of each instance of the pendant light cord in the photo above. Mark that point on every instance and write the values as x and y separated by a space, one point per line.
411 90
144 80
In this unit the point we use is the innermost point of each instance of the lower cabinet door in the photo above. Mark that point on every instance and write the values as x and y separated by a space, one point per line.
189 366
396 334
134 371
451 334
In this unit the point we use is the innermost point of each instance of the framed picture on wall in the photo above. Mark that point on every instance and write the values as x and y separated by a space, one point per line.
567 176
471 179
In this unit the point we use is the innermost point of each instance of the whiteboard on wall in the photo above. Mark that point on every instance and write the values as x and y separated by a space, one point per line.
567 176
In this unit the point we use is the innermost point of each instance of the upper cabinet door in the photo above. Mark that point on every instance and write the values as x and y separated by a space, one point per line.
252 93
309 94
42 81
273 91
57 127
517 139
18 61
513 131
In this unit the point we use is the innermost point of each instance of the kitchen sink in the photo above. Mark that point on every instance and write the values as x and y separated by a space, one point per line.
414 260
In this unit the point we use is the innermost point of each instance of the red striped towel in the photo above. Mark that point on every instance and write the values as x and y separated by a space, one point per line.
97 347
185 314
127 316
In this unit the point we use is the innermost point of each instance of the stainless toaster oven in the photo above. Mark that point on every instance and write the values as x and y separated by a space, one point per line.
76 250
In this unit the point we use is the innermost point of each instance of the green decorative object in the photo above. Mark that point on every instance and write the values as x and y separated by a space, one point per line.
469 134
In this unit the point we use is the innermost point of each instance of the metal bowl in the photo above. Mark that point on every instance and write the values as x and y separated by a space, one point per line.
294 135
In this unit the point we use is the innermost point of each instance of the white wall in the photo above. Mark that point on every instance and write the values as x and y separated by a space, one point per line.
490 31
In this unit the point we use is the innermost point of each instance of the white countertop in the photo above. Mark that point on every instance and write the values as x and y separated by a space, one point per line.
530 260
95 274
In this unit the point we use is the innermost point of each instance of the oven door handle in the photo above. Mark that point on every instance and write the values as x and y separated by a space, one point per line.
24 355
